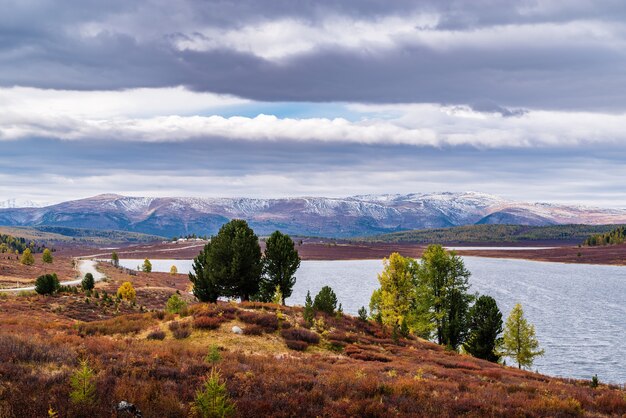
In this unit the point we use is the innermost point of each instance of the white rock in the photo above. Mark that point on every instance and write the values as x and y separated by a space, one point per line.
237 330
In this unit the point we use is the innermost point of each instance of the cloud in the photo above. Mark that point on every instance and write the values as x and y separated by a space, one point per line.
522 54
176 115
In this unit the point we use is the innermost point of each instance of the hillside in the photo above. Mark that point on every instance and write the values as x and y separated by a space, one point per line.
306 216
65 235
572 234
352 368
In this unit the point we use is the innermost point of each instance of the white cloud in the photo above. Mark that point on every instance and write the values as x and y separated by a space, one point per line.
281 38
154 115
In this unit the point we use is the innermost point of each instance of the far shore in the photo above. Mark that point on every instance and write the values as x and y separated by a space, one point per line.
311 249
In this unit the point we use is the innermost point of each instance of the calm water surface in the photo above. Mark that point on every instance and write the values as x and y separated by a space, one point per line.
579 311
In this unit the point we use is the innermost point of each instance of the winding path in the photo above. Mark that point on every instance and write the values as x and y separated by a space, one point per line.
83 267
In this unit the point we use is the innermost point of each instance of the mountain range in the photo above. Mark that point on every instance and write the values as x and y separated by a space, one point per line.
305 216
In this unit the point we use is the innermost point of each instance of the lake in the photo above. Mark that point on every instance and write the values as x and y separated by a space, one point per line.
579 310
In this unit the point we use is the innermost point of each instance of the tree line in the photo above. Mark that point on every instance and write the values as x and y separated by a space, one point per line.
231 265
616 236
430 298
11 244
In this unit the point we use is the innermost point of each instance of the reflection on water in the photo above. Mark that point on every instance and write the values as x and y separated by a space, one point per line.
579 311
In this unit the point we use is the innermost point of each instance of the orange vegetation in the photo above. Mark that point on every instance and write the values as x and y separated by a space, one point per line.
341 367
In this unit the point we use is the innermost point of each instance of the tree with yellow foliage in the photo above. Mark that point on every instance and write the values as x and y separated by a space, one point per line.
127 292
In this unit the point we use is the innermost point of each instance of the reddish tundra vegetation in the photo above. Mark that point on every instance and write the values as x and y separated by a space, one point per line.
278 366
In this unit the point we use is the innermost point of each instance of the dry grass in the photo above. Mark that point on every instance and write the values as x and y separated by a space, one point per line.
369 375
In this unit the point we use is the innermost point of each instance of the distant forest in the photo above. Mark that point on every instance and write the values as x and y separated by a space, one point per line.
9 243
494 233
616 236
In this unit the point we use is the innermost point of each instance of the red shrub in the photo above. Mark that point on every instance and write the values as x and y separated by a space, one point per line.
156 335
206 322
297 345
300 334
253 330
269 322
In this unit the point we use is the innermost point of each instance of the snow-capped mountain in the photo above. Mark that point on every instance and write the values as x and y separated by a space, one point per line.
318 216
18 203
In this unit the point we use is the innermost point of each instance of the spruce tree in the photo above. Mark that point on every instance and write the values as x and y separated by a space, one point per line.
485 326
230 265
280 263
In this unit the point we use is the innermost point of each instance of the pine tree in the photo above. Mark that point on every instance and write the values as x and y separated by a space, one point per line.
213 401
230 265
147 266
83 387
115 259
47 284
485 326
205 287
88 282
325 300
309 312
175 304
27 258
519 341
47 256
280 263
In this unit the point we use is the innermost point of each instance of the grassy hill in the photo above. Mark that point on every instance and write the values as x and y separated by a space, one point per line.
494 234
59 235
342 367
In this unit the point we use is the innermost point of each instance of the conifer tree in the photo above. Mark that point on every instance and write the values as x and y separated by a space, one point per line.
519 341
280 263
485 326
83 387
309 312
27 258
47 256
212 400
115 259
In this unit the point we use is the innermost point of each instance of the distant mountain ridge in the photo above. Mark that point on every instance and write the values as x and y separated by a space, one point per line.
312 216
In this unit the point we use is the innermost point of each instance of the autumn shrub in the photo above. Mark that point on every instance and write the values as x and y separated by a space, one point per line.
269 322
297 345
360 353
125 324
181 330
253 330
207 322
156 335
160 315
14 348
300 334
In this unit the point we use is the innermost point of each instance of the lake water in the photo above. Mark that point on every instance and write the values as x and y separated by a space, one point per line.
579 311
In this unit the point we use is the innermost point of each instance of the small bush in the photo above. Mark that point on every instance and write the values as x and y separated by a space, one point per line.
269 322
47 284
180 329
300 334
253 330
175 304
156 335
297 345
127 292
206 322
88 282
159 315
325 301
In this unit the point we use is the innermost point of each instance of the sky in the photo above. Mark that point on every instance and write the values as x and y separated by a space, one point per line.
525 99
